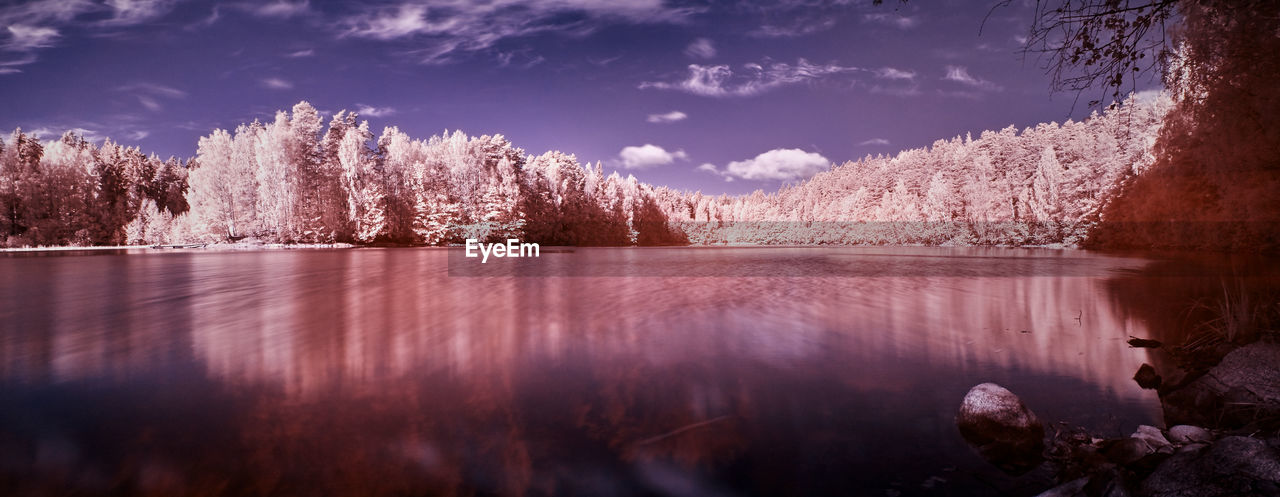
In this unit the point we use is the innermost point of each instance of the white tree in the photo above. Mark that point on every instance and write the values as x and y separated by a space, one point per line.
223 190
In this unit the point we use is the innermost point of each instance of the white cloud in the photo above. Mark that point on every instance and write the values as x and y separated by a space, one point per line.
149 94
523 59
894 73
701 48
896 20
802 27
131 12
874 141
276 84
50 133
138 135
150 103
154 89
721 81
33 25
669 117
783 164
301 53
648 155
280 9
23 38
960 74
371 111
446 28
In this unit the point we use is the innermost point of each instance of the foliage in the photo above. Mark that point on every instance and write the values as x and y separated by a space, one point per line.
1045 185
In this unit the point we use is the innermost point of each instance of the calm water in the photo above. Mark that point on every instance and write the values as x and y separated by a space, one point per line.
377 372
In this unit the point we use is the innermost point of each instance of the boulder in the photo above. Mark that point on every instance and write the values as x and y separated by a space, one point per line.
1073 488
1001 428
1127 451
1187 434
1153 438
1147 377
1234 466
1244 387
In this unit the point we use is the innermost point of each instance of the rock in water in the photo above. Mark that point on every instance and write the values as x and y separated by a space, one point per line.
1001 428
1147 377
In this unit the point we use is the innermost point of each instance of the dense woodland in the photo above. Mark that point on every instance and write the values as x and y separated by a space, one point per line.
293 180
287 181
1043 185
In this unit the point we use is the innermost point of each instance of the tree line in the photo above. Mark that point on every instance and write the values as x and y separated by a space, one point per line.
294 180
1047 184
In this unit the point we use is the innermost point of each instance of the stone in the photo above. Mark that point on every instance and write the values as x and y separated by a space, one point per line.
1001 428
1154 439
1147 377
1234 466
1127 451
1186 434
1073 488
1242 388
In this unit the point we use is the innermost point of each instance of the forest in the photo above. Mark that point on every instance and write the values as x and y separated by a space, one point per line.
294 180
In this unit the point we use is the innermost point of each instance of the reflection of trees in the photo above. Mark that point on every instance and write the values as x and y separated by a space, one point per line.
372 372
1175 298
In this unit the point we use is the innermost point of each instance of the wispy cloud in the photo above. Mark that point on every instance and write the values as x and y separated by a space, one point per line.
701 48
149 94
23 38
753 79
50 133
131 12
960 74
279 9
669 117
447 28
154 89
34 25
276 84
371 111
782 164
121 128
801 27
892 19
301 53
873 141
894 73
150 103
520 58
648 155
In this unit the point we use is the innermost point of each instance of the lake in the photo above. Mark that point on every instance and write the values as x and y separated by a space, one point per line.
643 371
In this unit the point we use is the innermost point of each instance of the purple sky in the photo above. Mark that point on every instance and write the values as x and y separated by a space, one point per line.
711 95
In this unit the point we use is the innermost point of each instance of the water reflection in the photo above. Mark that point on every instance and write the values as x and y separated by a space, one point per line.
373 372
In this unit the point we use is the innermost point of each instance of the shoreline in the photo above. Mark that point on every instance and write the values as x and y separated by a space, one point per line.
214 247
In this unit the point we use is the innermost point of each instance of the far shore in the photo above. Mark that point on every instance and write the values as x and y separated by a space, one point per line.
167 247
